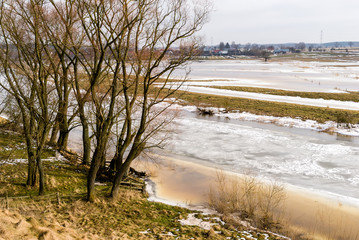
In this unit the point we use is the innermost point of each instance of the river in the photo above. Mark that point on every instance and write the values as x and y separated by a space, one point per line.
316 161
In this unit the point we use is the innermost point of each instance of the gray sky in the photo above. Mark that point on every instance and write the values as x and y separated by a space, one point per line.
281 21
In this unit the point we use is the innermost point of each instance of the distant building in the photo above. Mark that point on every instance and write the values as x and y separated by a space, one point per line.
223 52
281 51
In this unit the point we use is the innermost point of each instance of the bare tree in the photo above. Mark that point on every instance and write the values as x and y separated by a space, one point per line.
265 55
24 58
101 24
127 67
162 25
68 38
115 56
301 46
59 36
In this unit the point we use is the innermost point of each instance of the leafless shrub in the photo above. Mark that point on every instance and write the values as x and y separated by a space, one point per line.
205 111
271 197
248 198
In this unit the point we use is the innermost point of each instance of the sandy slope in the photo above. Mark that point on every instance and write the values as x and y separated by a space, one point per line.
15 226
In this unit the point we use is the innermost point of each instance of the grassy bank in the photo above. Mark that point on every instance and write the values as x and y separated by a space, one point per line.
270 108
131 217
352 96
64 214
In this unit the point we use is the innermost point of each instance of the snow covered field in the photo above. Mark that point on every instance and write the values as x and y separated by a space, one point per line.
333 77
292 75
275 98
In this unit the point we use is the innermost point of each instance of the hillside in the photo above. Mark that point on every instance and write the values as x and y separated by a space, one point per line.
64 214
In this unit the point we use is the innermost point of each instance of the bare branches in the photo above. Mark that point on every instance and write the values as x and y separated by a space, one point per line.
25 60
114 57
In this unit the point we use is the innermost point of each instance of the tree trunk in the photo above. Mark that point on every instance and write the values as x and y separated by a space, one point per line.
112 164
54 132
118 177
31 171
91 177
103 161
119 160
41 175
123 170
43 129
63 139
63 126
86 143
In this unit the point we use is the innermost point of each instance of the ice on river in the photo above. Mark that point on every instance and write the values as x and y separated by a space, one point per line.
302 158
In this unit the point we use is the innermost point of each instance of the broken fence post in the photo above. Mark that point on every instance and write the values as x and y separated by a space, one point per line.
7 201
58 198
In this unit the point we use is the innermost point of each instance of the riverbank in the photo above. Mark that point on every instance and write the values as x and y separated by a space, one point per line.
304 213
271 108
63 212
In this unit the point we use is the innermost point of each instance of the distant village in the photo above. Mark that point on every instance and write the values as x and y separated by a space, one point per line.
233 49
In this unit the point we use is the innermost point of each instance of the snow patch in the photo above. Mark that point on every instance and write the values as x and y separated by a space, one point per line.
316 102
193 221
328 126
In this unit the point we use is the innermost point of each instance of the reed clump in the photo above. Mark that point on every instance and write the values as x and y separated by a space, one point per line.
246 200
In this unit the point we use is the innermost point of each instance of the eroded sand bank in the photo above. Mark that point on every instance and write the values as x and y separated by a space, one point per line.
185 182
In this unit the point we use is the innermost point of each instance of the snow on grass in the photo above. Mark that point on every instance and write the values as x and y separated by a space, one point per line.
58 157
347 105
329 126
193 221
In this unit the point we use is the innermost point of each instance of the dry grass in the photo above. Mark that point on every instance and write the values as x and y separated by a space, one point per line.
14 226
325 225
350 96
260 107
3 120
249 199
335 227
246 201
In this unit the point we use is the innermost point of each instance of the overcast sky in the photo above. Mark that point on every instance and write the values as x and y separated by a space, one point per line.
282 21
